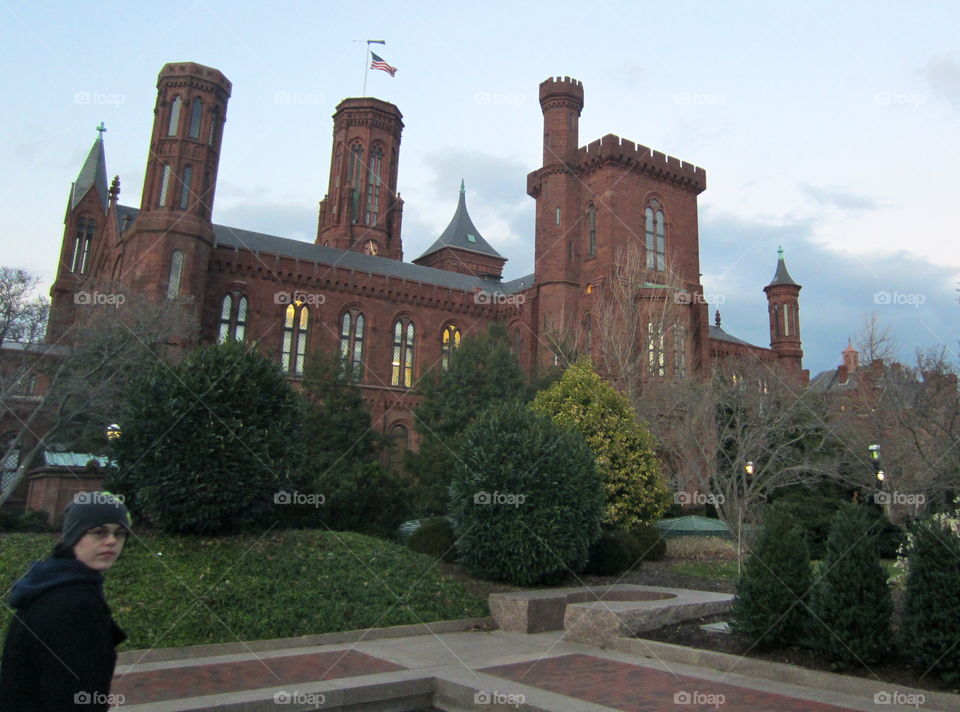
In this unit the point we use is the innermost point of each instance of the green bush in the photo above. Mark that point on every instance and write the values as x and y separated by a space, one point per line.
930 626
613 553
29 521
649 542
768 609
850 602
209 442
435 537
526 502
366 499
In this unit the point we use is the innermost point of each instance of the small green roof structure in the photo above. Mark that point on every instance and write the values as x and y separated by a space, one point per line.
694 526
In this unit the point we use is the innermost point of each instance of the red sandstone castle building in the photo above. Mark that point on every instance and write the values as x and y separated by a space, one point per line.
351 290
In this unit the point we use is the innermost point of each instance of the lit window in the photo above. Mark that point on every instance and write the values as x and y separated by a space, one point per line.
164 185
401 373
373 186
196 116
233 318
174 117
351 344
655 241
185 187
176 270
449 342
295 323
655 355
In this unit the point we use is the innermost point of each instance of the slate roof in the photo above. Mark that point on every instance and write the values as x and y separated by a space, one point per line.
239 239
782 276
93 174
462 233
827 381
720 335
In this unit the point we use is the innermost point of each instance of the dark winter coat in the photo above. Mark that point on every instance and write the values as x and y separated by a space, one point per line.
60 648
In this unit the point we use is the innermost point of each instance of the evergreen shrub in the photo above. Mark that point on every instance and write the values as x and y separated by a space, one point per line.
768 609
525 499
435 537
930 625
612 553
850 601
649 542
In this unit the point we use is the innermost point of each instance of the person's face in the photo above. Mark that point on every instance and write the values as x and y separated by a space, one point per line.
99 547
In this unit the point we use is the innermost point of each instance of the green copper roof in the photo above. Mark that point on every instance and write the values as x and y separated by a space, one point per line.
462 233
93 174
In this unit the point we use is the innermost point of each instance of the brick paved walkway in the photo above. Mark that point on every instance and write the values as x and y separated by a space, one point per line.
635 688
180 682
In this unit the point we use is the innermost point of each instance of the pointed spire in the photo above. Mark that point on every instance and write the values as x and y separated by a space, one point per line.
461 232
782 276
93 174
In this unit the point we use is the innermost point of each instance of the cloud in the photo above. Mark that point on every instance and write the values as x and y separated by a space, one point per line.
840 198
911 295
943 75
290 220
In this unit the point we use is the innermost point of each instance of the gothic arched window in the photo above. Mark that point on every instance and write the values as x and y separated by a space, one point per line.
448 343
373 186
680 350
176 271
655 238
399 441
196 116
185 182
592 227
295 323
214 121
83 239
174 116
656 360
233 318
164 185
352 326
354 176
401 373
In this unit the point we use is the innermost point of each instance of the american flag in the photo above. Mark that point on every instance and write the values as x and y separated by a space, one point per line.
378 63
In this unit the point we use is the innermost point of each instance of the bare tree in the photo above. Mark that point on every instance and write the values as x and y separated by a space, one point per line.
875 342
111 341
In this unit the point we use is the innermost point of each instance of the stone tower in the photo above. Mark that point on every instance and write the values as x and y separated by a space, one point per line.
784 310
362 210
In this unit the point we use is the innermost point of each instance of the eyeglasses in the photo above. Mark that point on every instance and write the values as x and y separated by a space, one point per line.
119 533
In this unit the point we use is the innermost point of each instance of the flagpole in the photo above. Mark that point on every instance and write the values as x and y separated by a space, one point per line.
366 63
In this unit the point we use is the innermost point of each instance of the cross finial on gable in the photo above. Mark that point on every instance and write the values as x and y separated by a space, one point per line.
101 128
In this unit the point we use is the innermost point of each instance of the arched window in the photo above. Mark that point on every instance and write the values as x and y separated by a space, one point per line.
214 121
8 469
164 185
174 116
176 271
786 320
83 239
196 116
354 174
295 323
448 342
655 357
373 186
655 240
185 187
680 350
401 373
592 227
399 441
352 326
233 318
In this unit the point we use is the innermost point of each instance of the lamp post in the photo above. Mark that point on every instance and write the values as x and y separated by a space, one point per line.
748 470
113 432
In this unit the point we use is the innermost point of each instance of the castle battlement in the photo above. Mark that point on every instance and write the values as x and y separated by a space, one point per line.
612 148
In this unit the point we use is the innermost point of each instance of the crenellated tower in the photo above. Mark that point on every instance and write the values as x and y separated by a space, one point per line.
362 210
173 235
783 304
557 190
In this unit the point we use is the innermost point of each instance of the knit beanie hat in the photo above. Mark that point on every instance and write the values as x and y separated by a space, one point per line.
92 509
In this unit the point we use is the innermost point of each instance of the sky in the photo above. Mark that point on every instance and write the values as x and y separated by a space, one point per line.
830 129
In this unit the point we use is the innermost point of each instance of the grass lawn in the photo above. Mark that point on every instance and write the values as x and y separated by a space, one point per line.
173 591
728 569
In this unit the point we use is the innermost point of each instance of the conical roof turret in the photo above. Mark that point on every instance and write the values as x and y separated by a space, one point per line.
92 175
462 233
782 276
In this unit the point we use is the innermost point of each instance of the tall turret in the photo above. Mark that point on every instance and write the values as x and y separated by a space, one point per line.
173 235
784 312
362 210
